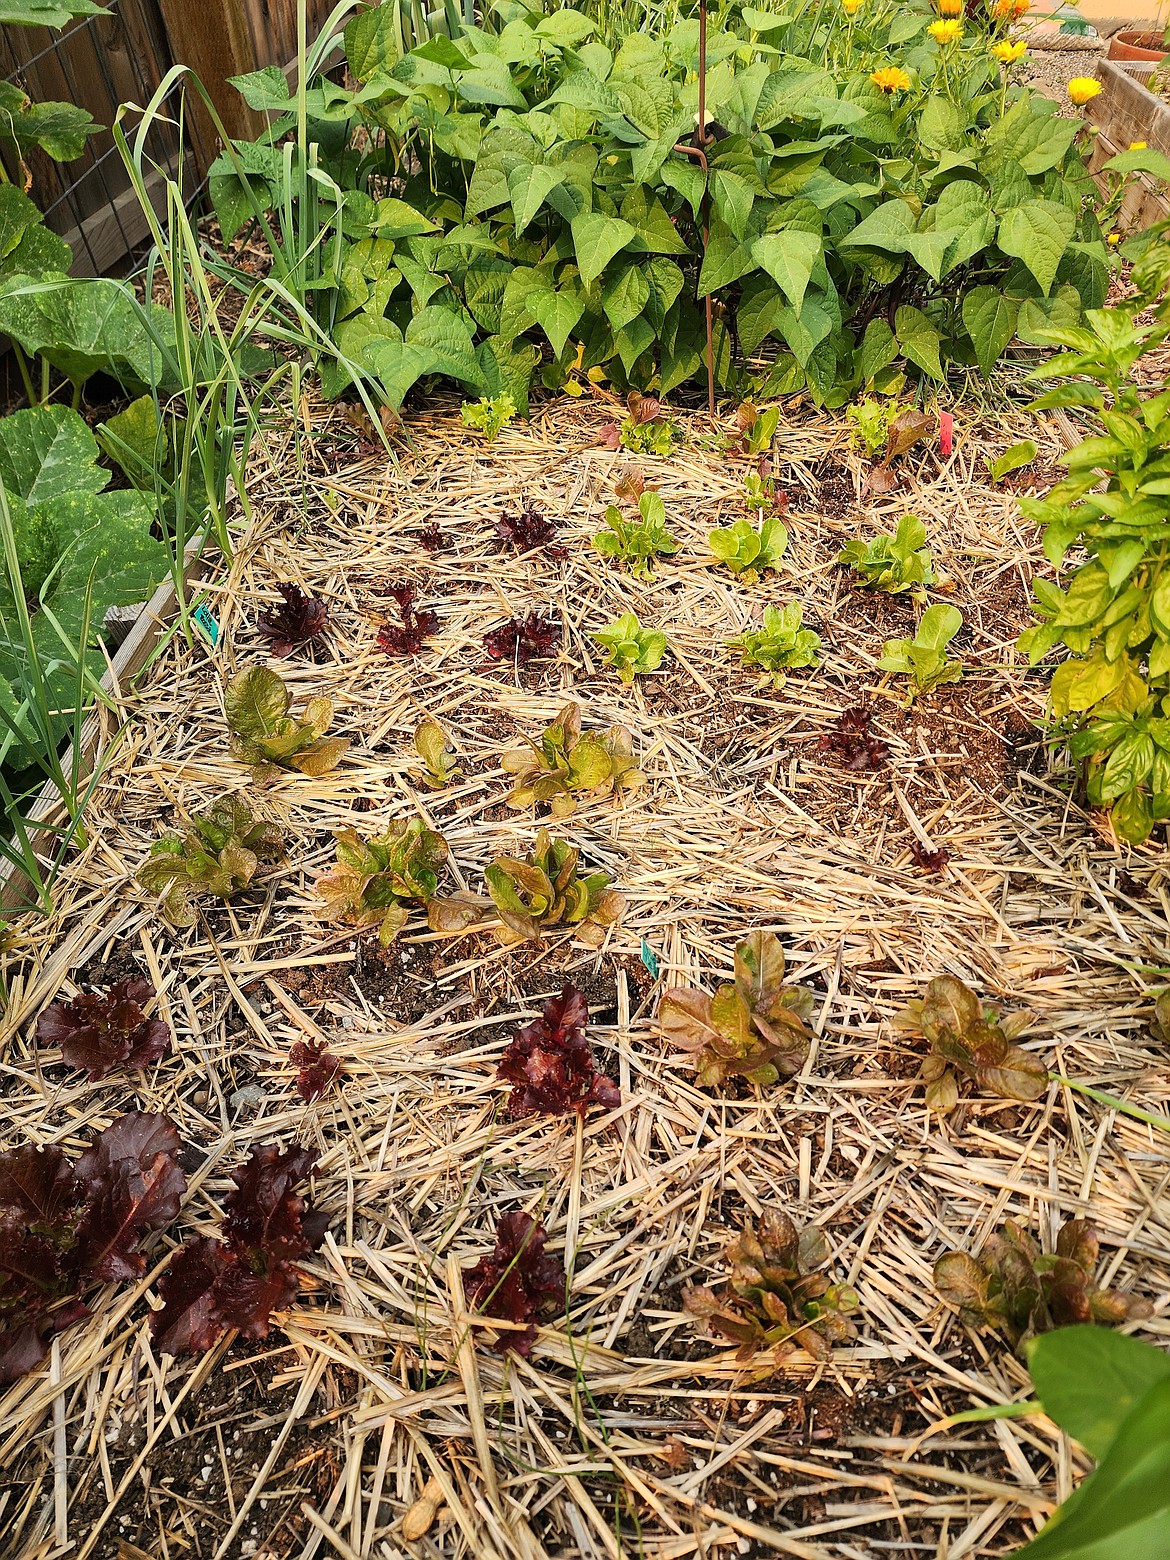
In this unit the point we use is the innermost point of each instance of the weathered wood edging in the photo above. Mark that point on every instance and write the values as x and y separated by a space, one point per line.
1126 111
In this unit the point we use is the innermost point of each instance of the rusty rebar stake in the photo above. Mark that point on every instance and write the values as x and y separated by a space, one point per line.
700 155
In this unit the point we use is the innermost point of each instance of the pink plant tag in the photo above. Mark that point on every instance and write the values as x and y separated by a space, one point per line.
946 434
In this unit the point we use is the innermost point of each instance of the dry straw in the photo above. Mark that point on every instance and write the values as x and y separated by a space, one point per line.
622 1434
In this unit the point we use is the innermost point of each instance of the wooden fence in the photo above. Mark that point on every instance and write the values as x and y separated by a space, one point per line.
100 62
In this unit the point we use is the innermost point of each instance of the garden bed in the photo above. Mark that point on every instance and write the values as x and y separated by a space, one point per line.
319 1440
1125 111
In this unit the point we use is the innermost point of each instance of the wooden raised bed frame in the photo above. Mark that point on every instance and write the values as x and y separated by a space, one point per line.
1126 111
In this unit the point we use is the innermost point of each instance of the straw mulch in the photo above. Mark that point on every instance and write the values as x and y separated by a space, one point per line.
625 1433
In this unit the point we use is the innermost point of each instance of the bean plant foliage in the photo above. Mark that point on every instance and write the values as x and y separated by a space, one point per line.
541 201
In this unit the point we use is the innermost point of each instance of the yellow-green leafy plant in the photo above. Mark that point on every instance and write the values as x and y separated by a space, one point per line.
431 745
971 1040
544 891
377 881
780 646
754 1027
924 658
218 854
636 543
631 649
266 736
749 552
488 415
892 563
774 1298
563 766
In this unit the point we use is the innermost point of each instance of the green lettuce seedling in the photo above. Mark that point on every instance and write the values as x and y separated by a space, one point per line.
631 649
430 743
869 425
773 1297
972 1040
923 659
748 552
753 1028
540 892
489 416
264 735
563 766
377 881
219 853
780 645
636 543
892 563
1014 458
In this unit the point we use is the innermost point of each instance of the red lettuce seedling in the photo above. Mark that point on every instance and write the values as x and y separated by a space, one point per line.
318 1068
303 617
66 1226
431 539
929 860
517 1281
973 1041
101 1032
527 531
1013 1287
851 741
237 1282
550 1063
520 639
407 639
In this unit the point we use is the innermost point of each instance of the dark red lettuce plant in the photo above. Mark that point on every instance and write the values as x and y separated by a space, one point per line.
550 1063
517 1281
318 1068
527 531
302 618
408 637
100 1032
521 639
237 1282
66 1227
852 742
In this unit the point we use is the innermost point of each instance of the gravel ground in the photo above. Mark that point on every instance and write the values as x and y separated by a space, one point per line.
1049 70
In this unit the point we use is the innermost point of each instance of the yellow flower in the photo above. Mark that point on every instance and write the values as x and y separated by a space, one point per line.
851 7
1137 146
1008 53
890 78
1113 238
1082 88
946 32
1020 8
949 7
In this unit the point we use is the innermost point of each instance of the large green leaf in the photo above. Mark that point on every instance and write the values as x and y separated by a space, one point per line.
1037 232
625 295
370 41
990 321
46 451
556 312
27 248
445 335
45 13
58 129
83 326
789 257
918 339
1090 1378
596 240
528 186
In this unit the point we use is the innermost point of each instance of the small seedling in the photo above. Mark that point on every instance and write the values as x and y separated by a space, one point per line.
780 646
563 766
544 891
645 430
753 1027
972 1040
409 637
761 494
264 735
517 1282
923 659
430 743
550 1065
631 649
528 530
1013 1287
892 563
488 416
219 853
377 881
317 1068
773 1297
755 429
103 1032
748 552
852 741
523 639
637 543
869 425
1013 459
301 619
